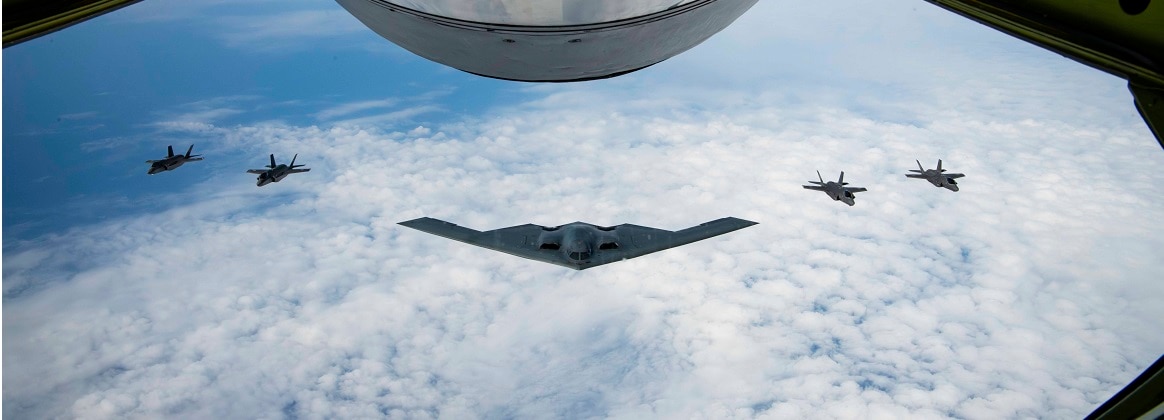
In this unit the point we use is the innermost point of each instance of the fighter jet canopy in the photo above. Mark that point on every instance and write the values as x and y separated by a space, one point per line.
547 40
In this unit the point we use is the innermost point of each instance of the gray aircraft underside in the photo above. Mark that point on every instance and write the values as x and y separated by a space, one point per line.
836 190
547 40
172 161
578 245
276 173
936 176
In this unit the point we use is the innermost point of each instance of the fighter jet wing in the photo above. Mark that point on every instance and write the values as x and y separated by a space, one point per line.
814 187
520 240
256 171
636 241
954 175
295 171
855 189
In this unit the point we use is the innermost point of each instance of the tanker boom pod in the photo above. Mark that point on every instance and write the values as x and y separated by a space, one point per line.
547 40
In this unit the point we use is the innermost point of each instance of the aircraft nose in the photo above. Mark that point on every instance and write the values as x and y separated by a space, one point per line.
579 251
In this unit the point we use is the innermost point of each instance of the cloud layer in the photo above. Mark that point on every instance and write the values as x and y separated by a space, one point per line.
1018 296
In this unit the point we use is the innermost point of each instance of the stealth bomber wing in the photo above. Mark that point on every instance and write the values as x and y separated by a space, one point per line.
578 245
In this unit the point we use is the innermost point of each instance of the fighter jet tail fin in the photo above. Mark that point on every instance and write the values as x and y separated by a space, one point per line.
169 151
919 169
821 182
272 166
940 166
293 165
188 151
841 180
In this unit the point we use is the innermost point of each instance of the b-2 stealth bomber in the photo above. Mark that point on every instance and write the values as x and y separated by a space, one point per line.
172 162
578 245
936 176
276 173
836 190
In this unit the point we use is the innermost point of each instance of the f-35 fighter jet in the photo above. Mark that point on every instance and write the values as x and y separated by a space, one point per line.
276 173
836 190
578 245
935 176
172 162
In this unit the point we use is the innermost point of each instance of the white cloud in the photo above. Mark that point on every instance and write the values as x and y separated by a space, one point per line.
353 107
408 107
258 26
1030 293
391 116
287 29
78 115
202 114
168 11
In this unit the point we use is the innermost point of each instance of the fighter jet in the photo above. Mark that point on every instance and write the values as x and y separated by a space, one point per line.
276 173
172 162
936 176
837 190
577 245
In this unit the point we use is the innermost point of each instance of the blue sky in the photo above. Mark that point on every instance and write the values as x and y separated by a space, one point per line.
1032 292
80 103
